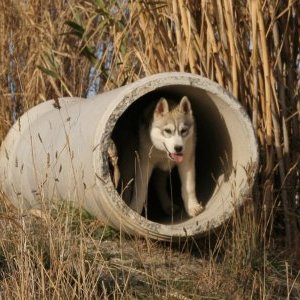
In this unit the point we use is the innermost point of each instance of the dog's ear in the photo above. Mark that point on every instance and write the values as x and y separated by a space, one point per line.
185 105
162 107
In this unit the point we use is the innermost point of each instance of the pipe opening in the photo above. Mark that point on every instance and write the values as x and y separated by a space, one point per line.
75 163
213 152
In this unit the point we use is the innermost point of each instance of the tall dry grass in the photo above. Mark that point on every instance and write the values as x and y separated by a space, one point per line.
250 47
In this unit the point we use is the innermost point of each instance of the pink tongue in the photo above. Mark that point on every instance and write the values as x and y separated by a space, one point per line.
177 157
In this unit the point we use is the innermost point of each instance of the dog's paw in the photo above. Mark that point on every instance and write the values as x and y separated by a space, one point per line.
195 209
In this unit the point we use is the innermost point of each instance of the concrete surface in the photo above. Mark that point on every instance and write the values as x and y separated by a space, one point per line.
53 154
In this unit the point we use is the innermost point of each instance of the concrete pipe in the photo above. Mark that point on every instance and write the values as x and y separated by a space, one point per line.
58 150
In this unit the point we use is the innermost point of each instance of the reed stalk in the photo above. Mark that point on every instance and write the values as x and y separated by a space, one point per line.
250 47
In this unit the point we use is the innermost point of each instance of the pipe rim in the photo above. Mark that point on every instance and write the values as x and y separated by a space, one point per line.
132 221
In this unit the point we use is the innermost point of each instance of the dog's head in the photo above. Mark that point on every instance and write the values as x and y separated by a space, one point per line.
172 127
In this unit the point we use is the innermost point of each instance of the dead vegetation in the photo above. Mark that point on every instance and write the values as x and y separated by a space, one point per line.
58 48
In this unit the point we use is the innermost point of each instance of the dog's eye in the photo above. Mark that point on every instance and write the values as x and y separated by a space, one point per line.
167 131
184 131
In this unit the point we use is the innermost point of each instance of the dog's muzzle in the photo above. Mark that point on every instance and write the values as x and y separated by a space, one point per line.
177 157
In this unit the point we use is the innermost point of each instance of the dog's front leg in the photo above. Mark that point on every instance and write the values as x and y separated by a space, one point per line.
188 187
143 173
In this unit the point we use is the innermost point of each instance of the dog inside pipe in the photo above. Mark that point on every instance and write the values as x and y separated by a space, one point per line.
213 162
59 151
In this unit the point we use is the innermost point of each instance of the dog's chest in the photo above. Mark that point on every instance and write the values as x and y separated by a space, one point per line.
165 165
161 161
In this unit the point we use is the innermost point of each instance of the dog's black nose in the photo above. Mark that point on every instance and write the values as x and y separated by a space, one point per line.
178 149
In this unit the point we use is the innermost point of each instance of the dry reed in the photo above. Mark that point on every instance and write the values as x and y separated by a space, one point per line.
251 48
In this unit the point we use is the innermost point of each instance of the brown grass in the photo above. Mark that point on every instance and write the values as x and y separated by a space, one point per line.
249 47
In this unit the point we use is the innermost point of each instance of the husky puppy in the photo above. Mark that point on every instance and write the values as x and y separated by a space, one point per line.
167 138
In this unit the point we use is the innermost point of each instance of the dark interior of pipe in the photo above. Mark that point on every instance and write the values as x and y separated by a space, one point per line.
213 150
